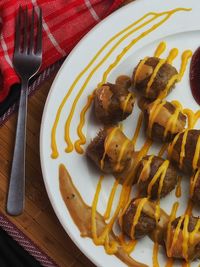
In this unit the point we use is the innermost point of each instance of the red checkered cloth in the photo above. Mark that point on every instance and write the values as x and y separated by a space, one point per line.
64 24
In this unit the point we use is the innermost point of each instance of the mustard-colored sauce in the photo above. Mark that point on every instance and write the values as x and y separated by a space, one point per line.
178 187
172 55
196 154
159 174
111 199
160 49
155 255
153 16
138 127
107 144
82 139
104 237
138 69
155 72
193 181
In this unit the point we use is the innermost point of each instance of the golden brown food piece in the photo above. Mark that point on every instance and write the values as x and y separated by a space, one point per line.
195 188
184 150
150 79
186 244
139 219
163 120
113 102
156 177
111 150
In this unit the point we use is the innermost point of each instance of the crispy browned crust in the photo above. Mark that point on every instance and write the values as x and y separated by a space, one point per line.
157 133
95 150
160 82
193 250
196 194
190 147
169 183
114 112
145 225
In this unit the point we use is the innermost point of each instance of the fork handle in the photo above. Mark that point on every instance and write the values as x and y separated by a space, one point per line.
16 192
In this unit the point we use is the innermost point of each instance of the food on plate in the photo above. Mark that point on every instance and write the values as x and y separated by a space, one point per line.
111 150
194 75
155 177
152 76
163 120
195 187
184 150
113 102
182 238
139 218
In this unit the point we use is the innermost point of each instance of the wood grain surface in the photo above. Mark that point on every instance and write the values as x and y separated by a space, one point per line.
38 221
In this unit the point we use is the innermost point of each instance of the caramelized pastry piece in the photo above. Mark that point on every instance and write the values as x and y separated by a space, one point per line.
163 120
111 150
113 103
152 76
182 239
156 177
139 219
195 187
184 150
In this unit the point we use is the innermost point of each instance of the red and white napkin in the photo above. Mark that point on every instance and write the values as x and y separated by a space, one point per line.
64 23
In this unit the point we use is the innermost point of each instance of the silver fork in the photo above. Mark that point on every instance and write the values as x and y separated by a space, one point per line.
27 60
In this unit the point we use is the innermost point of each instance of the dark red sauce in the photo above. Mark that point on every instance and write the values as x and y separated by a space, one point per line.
195 75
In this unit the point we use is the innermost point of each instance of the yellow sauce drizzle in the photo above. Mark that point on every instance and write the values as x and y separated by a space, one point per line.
140 65
160 49
182 152
118 58
176 234
110 200
193 233
121 154
145 167
189 208
178 188
171 219
127 246
185 237
193 181
171 124
155 255
159 174
155 72
138 127
185 57
107 144
137 216
125 103
80 75
172 55
82 140
196 155
157 106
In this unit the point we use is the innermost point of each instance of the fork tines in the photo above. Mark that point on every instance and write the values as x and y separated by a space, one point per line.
23 23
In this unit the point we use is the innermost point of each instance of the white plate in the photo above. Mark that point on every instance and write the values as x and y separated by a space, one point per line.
182 30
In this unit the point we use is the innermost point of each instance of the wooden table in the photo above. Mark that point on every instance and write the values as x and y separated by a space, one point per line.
38 221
